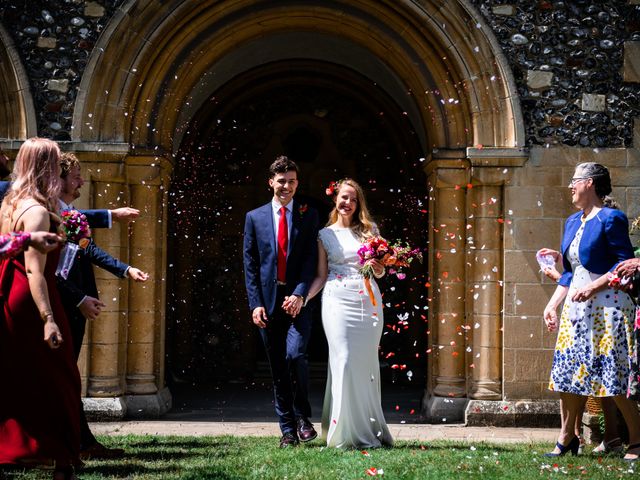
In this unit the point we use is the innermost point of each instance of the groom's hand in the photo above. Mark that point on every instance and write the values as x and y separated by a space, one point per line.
259 316
292 305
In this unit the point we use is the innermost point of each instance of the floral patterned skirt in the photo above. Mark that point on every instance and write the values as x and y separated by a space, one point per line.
595 352
634 382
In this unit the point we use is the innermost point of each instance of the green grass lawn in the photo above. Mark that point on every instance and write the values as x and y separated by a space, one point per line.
248 457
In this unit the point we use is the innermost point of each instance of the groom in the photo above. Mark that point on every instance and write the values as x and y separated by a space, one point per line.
280 260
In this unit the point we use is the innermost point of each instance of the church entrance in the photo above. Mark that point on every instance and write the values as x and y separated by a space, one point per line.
334 123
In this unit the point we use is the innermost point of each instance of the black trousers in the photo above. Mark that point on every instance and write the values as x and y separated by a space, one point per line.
286 340
78 324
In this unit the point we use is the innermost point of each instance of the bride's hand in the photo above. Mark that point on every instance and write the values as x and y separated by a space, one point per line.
378 267
292 305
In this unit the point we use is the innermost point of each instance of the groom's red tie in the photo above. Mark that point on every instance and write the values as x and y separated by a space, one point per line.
283 244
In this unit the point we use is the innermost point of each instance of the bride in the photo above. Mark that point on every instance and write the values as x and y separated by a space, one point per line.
352 414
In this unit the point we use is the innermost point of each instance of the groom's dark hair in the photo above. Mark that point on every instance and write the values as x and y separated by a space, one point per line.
282 164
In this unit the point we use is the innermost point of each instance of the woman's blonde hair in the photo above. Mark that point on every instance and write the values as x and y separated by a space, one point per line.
36 174
363 225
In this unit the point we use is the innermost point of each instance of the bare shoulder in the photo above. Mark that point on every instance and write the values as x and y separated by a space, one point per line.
31 216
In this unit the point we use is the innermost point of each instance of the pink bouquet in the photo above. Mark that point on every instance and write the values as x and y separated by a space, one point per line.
374 248
394 257
75 227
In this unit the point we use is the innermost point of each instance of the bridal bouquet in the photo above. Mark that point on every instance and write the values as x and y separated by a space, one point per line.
75 227
394 257
375 248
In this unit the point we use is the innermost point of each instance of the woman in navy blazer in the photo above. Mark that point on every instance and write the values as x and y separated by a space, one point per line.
595 341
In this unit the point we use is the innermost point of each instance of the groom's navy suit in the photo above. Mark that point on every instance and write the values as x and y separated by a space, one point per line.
285 338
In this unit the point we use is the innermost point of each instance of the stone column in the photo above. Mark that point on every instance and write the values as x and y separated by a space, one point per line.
492 168
106 336
484 297
147 177
448 178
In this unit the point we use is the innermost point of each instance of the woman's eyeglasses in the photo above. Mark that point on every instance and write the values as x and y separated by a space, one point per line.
575 180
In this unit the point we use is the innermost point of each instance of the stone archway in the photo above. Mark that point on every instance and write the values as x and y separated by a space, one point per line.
439 63
17 114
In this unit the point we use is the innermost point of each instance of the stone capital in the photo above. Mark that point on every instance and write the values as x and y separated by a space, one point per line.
147 170
497 157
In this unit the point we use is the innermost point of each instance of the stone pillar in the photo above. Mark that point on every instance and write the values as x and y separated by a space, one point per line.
147 177
107 335
448 178
484 296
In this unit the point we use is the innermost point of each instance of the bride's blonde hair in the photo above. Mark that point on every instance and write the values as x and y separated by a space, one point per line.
363 225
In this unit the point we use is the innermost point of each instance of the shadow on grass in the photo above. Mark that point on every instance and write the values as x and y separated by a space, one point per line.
425 446
119 470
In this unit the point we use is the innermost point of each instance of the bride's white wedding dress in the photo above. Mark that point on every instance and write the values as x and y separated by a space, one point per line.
352 413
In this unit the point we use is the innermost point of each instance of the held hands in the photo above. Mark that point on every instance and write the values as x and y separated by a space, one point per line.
125 214
137 274
44 242
91 307
52 334
292 305
259 317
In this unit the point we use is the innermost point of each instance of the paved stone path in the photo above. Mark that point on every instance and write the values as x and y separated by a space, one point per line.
418 432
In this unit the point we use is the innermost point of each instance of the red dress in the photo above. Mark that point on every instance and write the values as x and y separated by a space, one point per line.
40 387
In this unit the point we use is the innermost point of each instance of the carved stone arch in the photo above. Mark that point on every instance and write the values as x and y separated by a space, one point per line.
444 54
156 63
17 113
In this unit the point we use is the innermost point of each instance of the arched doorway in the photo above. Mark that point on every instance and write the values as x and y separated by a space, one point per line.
335 123
436 60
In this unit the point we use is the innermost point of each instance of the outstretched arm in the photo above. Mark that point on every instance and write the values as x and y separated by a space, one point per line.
102 218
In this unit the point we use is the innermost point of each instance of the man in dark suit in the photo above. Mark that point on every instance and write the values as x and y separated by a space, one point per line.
100 218
80 294
280 261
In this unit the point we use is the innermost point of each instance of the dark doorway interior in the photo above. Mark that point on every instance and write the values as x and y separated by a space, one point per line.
334 123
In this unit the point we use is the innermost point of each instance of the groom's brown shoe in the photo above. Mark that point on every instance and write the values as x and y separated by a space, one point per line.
306 432
288 440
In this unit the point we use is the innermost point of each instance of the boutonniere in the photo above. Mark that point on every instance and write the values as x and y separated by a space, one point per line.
303 209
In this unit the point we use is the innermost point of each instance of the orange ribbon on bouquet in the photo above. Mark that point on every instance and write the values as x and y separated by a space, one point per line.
367 283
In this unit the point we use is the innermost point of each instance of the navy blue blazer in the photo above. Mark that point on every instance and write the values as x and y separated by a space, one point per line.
4 188
81 280
96 218
605 242
261 254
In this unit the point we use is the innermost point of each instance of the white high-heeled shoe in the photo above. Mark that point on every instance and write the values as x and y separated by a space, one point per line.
612 446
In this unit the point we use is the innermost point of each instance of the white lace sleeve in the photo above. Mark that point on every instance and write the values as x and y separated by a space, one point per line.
375 231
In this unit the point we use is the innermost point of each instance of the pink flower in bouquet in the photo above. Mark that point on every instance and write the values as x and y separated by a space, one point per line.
75 227
374 248
402 255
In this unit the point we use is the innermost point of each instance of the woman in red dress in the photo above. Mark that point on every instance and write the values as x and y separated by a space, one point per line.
40 399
